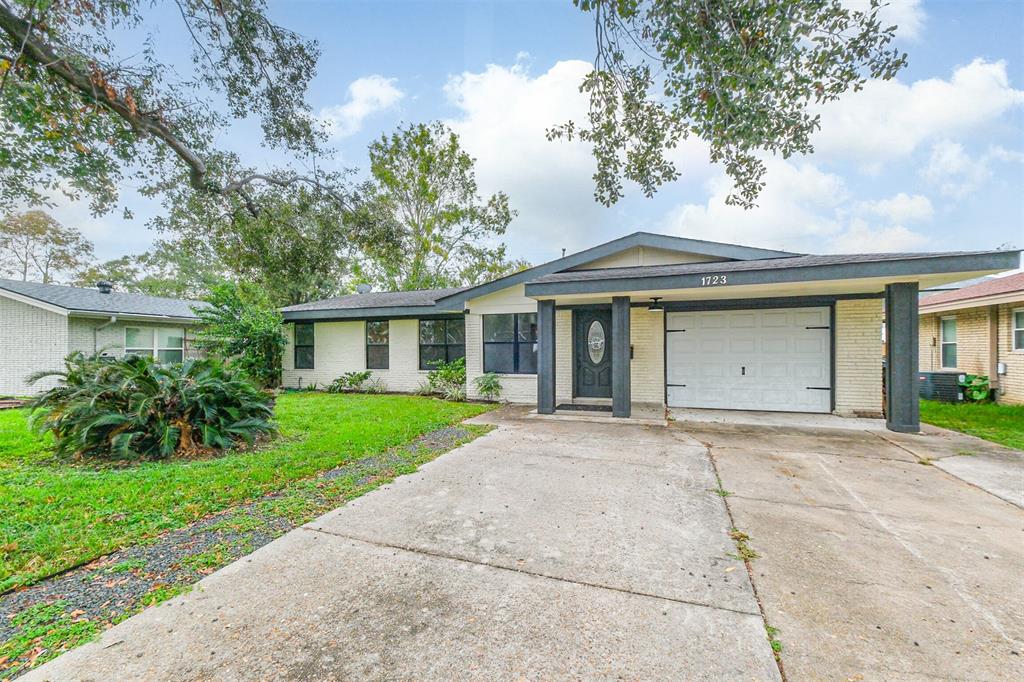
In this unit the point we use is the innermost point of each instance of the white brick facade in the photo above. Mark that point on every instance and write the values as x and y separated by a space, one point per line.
858 358
31 339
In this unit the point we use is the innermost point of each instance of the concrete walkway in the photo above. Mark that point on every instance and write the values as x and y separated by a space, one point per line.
546 549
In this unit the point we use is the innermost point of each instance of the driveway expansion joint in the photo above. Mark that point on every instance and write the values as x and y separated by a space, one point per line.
536 574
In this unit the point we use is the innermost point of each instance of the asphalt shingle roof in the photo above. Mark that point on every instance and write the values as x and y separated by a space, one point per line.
991 287
737 266
377 299
92 300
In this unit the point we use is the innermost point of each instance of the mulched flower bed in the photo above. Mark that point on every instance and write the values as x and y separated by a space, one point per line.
113 587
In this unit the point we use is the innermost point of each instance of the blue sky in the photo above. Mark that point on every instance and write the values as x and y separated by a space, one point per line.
931 161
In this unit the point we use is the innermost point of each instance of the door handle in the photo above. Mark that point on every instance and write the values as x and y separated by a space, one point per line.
743 371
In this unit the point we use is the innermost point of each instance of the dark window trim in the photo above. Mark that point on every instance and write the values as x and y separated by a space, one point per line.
386 344
515 342
295 359
447 353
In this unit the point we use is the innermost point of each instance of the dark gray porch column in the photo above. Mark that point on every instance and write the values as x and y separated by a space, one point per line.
902 412
545 357
621 394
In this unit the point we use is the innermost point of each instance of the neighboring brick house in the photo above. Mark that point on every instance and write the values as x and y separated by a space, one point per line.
42 323
978 330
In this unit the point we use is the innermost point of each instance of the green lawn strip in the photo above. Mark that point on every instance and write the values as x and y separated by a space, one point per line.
1003 424
57 515
55 631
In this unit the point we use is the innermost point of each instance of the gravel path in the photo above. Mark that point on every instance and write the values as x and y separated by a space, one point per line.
114 586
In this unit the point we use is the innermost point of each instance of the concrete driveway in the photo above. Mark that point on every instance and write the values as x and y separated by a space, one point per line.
882 556
543 550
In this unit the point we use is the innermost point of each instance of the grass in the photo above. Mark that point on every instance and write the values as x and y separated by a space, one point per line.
45 631
55 515
1003 424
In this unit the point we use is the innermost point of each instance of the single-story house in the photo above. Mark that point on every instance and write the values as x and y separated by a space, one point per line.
654 319
42 323
978 329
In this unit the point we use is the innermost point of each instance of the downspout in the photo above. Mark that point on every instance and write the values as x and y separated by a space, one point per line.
96 330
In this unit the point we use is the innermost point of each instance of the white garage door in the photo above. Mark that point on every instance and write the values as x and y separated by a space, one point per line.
777 359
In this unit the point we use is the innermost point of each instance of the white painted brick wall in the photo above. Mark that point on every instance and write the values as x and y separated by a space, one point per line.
31 340
859 357
647 370
563 356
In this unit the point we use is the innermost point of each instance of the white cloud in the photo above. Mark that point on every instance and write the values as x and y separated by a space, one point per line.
907 15
889 119
902 208
803 209
955 173
366 96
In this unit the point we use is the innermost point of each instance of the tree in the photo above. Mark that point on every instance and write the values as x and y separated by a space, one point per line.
429 227
742 75
297 247
33 245
172 269
242 325
81 108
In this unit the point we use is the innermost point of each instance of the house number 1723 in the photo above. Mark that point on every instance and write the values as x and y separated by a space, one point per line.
713 280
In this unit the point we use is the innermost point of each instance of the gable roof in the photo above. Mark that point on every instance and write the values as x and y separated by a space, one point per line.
977 294
80 300
419 301
770 270
732 252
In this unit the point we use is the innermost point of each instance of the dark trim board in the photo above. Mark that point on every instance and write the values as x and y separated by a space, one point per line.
911 267
819 301
369 314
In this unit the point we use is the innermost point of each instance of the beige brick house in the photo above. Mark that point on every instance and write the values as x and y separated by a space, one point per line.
41 323
654 321
978 330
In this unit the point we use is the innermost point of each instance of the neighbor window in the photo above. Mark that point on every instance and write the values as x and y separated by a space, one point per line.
304 345
377 344
441 341
510 343
1018 329
165 344
947 338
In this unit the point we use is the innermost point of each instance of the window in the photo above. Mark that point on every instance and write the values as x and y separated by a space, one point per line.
947 338
441 341
1018 329
510 343
166 344
377 344
304 345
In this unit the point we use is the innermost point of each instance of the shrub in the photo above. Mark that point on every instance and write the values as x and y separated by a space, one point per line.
349 381
488 386
376 385
133 407
241 325
454 392
976 388
446 375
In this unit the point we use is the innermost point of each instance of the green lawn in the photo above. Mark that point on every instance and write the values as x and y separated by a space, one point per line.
55 515
1003 424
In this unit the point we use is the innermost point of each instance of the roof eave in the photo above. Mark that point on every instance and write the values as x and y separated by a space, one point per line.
995 261
975 302
390 312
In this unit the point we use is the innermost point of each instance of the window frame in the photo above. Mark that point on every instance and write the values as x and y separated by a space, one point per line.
154 347
446 345
943 342
296 345
386 345
1014 329
515 343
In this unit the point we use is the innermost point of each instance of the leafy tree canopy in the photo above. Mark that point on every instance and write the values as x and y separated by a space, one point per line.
82 108
173 269
423 221
34 246
742 75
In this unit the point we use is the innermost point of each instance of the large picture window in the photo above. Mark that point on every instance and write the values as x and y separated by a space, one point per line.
510 343
441 341
377 344
165 344
947 339
304 345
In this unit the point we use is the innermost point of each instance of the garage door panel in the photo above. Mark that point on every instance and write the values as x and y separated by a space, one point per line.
750 359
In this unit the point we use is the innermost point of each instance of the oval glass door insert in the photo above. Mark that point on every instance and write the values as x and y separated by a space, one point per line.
595 342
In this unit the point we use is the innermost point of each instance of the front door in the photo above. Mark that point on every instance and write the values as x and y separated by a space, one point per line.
593 353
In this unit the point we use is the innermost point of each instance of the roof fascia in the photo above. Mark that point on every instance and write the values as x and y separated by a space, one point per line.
995 261
29 300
